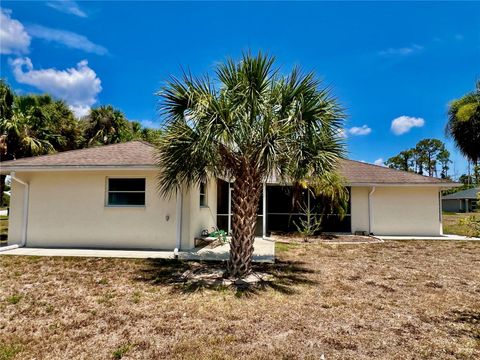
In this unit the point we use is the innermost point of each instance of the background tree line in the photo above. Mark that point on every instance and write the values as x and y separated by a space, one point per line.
38 124
428 157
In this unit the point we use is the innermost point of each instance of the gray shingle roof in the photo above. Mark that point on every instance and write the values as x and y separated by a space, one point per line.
132 153
464 194
357 172
142 154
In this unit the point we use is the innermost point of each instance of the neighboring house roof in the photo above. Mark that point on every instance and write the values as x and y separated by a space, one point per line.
464 194
140 154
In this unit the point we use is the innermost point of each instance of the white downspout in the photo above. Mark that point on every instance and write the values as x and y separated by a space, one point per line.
179 222
370 210
26 195
440 211
264 211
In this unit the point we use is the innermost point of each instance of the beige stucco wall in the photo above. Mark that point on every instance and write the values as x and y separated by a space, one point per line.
15 218
67 209
203 217
359 208
397 210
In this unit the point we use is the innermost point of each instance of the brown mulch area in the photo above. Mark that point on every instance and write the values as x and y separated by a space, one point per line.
394 300
324 238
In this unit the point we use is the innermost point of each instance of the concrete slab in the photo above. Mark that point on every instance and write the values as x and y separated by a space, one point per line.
102 253
264 251
448 237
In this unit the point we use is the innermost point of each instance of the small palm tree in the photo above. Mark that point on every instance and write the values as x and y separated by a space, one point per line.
464 124
245 125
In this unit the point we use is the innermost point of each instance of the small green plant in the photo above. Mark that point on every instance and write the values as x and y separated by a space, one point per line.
136 297
121 351
309 223
220 235
106 299
14 299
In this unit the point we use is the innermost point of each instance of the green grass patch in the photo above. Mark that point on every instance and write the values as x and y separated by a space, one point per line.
9 351
452 225
121 351
14 299
3 227
283 247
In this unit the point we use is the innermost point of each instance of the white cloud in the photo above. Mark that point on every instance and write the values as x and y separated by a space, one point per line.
13 37
78 86
379 162
67 38
403 51
359 131
403 124
355 131
67 7
150 124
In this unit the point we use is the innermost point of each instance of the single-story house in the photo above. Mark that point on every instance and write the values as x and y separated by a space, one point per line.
107 197
461 201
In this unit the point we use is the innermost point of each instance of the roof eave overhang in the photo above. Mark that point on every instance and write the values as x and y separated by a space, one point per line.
5 170
383 184
404 184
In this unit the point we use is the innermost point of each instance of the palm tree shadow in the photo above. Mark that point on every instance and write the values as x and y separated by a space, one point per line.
191 276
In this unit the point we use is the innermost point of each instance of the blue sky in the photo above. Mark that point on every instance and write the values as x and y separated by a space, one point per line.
384 60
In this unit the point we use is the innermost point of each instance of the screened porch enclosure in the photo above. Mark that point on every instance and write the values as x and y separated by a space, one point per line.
280 211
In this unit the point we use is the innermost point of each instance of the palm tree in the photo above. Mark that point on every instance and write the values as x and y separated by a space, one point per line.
106 125
464 124
254 123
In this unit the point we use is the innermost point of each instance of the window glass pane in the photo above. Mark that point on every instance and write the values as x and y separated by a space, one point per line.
203 194
126 184
118 198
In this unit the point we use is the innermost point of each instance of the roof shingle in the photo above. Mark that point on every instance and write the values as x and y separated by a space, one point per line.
142 154
132 153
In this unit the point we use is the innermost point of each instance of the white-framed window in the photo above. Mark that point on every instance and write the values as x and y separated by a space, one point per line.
203 194
124 192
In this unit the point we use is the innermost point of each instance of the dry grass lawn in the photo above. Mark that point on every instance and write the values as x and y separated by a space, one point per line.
394 300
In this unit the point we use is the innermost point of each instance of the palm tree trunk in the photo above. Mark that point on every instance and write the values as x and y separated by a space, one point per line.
246 195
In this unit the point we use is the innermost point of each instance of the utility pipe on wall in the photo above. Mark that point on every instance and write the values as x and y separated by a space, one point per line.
179 221
370 211
26 195
264 210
